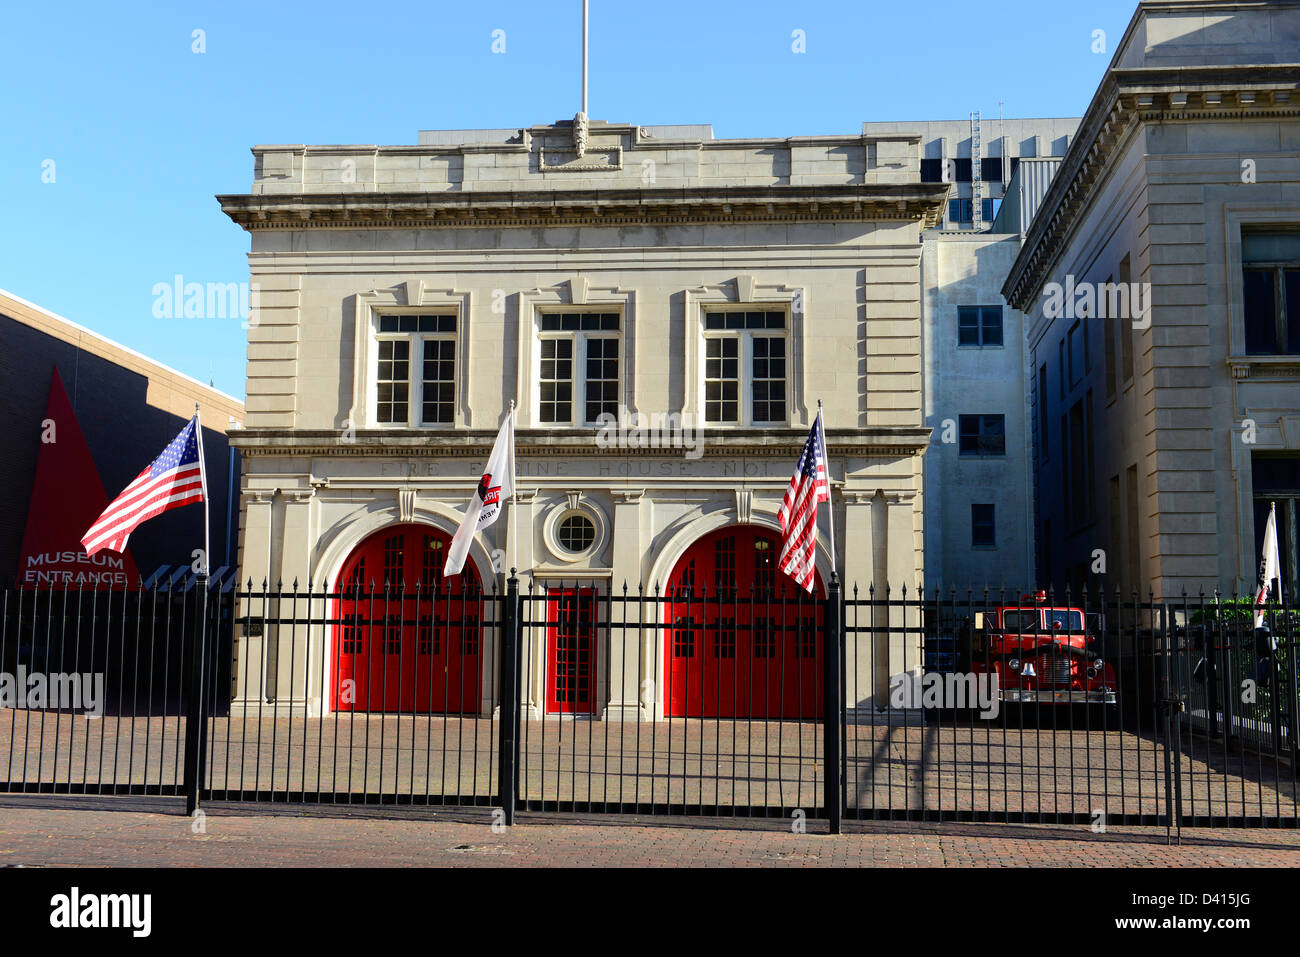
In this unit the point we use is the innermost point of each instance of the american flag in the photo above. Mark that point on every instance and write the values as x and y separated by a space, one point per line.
174 479
798 512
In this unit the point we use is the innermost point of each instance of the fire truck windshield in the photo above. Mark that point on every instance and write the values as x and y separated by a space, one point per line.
1064 619
1020 620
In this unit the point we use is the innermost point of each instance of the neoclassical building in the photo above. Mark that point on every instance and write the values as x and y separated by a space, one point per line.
1163 431
700 294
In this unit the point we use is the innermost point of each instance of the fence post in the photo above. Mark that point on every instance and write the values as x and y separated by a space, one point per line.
508 744
194 714
831 720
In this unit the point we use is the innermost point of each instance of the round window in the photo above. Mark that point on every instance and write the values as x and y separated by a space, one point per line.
576 533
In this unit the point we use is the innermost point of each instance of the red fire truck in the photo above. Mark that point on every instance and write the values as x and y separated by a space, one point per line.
1041 653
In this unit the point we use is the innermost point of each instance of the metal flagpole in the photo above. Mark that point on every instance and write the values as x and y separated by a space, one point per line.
830 504
584 56
203 478
514 496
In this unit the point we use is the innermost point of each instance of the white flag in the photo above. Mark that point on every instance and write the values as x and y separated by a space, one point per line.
1268 566
496 485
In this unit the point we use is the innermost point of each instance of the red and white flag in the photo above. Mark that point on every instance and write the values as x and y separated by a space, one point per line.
798 513
1268 566
174 479
497 484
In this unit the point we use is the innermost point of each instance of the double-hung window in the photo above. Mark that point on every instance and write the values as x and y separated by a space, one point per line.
746 367
982 434
979 325
415 373
1271 287
578 375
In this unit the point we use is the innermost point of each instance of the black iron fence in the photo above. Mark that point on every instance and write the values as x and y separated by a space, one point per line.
574 696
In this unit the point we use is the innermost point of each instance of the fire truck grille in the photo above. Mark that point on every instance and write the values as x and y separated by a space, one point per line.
1054 669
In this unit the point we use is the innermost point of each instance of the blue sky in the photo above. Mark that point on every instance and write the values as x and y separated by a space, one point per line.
143 131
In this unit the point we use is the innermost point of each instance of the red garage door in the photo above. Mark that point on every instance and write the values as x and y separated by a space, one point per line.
742 639
407 639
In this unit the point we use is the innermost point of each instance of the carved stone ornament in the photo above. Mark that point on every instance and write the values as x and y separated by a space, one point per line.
580 133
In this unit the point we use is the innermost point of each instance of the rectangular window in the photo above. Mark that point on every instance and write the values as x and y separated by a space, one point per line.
1078 352
393 381
1042 410
764 637
438 390
769 379
1108 334
982 532
724 638
556 380
1125 330
1271 292
979 325
1080 480
746 367
416 370
578 375
962 210
1062 367
982 434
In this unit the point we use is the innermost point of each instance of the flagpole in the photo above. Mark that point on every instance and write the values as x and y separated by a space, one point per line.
203 478
514 497
830 503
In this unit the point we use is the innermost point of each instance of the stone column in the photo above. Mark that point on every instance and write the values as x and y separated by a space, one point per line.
297 649
904 647
859 572
628 646
249 641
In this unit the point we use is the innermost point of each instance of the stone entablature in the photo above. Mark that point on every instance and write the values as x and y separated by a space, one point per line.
615 156
1127 99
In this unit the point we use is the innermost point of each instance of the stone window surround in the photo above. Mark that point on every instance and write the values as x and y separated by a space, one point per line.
578 296
409 298
744 291
1277 216
575 504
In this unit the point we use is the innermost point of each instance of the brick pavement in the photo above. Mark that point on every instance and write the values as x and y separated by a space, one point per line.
692 762
65 831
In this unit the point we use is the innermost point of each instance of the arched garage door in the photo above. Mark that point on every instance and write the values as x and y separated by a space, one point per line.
407 639
742 638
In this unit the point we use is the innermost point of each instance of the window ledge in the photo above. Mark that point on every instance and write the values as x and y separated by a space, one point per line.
1265 366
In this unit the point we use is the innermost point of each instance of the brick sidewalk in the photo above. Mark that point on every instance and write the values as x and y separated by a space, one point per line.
48 831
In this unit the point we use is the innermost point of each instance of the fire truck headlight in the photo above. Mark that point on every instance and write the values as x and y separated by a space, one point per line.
1013 664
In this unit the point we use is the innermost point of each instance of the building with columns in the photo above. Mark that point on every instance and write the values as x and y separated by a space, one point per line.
664 309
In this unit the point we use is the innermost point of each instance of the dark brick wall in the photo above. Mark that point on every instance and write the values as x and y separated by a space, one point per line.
124 434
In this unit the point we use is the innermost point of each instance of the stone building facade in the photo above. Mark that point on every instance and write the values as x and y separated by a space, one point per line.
1163 433
406 296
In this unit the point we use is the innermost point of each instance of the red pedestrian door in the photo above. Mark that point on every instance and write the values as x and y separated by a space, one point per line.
406 638
743 640
571 651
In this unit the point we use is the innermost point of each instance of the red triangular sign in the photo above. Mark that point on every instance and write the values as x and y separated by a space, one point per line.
67 497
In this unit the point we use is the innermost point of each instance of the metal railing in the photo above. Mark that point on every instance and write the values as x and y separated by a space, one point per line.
572 696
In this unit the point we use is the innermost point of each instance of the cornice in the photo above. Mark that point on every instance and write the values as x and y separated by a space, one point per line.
568 207
476 443
1126 99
